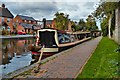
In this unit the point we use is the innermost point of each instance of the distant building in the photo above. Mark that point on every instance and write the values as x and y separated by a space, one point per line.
26 24
50 23
6 19
40 23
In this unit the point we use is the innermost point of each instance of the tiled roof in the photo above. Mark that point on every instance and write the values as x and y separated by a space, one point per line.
25 25
49 21
26 18
4 12
30 26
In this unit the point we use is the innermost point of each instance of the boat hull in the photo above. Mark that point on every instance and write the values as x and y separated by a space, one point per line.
47 50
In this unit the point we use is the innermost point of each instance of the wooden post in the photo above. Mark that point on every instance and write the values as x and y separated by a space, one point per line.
36 70
39 61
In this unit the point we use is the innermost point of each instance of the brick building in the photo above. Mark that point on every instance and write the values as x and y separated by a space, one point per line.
6 19
26 24
50 23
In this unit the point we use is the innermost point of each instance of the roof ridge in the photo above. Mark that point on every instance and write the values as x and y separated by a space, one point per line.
26 17
6 13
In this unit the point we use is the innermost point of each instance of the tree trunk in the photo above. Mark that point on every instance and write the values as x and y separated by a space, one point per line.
109 26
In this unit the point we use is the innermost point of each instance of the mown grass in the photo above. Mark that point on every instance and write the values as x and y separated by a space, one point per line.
103 63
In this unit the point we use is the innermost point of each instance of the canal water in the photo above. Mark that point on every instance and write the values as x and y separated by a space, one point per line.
15 54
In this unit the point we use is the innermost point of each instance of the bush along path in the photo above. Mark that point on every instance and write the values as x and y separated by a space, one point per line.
104 61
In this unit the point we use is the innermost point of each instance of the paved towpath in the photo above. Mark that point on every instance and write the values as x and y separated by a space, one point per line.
68 64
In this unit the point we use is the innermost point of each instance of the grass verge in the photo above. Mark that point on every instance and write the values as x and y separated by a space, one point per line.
103 63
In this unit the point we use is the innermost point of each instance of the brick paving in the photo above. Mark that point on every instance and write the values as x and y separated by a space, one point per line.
68 64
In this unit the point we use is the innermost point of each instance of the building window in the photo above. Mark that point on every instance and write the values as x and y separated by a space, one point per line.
2 28
34 22
16 20
29 21
2 19
8 19
8 28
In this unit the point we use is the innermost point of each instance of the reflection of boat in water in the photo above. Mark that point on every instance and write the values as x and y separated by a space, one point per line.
14 48
35 57
56 40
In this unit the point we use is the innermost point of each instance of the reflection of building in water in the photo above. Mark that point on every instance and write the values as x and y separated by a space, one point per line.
20 47
7 53
12 48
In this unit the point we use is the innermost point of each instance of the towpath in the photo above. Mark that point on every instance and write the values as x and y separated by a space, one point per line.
69 64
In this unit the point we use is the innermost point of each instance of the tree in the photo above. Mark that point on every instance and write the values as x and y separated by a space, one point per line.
91 23
75 28
104 26
106 10
61 21
82 24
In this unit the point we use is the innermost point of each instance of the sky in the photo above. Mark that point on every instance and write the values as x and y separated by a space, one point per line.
40 9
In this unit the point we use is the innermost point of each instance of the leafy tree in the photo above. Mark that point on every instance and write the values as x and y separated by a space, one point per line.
106 11
82 24
104 26
91 23
61 21
75 28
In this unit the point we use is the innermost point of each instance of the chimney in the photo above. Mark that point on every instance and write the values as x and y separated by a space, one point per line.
44 22
3 5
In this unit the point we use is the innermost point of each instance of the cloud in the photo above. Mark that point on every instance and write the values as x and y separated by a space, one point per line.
52 0
77 10
38 10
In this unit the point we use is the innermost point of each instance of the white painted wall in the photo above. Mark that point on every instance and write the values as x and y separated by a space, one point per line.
117 26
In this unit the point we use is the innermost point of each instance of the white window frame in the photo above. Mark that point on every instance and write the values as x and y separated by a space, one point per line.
2 19
16 20
29 21
8 19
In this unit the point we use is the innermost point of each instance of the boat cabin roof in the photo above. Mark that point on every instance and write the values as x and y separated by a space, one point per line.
64 32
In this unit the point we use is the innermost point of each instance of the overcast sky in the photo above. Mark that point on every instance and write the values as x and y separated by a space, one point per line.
39 9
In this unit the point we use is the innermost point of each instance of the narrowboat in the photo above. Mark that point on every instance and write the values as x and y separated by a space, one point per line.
55 40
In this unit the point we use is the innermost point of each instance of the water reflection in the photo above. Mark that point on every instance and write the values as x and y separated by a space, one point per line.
35 57
15 54
12 48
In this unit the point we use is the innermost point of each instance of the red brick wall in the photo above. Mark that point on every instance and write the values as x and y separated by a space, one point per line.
18 18
10 24
20 28
0 20
53 24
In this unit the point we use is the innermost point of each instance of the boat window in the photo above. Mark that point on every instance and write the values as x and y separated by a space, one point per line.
47 38
64 38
